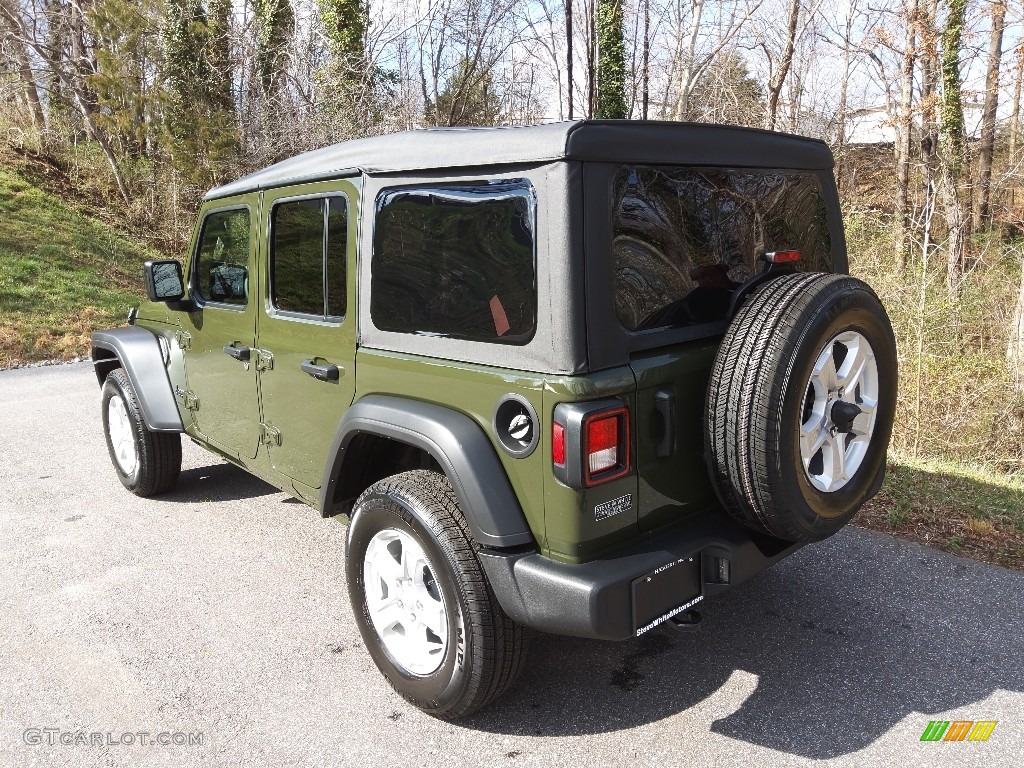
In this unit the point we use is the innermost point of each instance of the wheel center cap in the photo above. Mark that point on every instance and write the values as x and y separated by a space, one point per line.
842 414
407 602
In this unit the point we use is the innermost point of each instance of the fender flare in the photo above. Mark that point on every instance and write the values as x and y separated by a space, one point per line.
457 444
139 353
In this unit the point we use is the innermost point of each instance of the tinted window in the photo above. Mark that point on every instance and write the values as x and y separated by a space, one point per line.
308 253
457 262
297 284
685 238
222 263
337 245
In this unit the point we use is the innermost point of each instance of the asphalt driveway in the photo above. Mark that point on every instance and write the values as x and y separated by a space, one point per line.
216 619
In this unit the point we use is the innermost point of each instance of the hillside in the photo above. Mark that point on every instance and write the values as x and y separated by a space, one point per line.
63 272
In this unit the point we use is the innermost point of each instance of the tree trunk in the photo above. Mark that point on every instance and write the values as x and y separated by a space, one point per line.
952 146
955 213
904 145
219 54
929 54
844 88
988 117
646 59
1015 108
611 62
778 80
591 58
29 89
568 51
1015 347
80 64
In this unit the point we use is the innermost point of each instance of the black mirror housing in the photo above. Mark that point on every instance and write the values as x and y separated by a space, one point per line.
164 280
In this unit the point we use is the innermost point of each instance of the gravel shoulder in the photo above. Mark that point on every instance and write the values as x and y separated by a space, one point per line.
220 609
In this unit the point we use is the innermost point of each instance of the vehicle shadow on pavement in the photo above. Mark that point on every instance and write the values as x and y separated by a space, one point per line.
846 639
217 482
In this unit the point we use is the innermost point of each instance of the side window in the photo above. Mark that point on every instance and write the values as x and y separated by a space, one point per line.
222 261
337 242
456 261
307 257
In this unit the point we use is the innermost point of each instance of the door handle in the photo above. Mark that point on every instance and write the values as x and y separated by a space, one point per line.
321 372
239 353
665 405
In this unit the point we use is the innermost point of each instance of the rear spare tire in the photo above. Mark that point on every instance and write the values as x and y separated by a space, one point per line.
800 406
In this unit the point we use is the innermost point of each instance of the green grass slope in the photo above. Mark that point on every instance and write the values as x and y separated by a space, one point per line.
62 274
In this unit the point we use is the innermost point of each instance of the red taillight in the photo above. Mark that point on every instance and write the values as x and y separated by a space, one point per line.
602 444
783 257
558 444
606 446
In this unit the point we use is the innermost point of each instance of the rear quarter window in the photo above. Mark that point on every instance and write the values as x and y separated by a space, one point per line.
685 238
456 261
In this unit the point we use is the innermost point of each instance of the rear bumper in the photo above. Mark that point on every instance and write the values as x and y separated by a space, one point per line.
625 594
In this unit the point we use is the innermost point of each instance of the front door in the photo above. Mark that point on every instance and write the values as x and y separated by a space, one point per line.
220 332
306 333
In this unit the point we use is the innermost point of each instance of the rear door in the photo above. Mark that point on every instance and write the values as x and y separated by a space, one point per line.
306 331
672 383
683 239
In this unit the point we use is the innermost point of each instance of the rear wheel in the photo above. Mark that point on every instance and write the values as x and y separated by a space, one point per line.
147 463
800 406
421 600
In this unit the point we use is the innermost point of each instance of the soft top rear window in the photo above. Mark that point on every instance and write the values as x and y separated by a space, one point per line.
456 261
685 238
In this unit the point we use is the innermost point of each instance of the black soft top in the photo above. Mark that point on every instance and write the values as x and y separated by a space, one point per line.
621 141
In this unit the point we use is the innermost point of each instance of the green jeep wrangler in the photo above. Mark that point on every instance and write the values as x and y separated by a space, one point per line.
573 377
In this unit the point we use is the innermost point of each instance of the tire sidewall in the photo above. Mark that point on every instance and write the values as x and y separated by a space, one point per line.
376 512
114 387
814 511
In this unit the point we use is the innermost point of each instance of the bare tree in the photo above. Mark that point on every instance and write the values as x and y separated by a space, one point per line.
460 44
547 29
781 72
29 91
997 10
697 45
70 74
852 26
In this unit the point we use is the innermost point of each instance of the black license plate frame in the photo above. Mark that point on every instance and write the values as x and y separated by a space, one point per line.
665 592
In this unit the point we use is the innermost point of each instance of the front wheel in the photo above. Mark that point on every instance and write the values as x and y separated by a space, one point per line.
421 600
147 463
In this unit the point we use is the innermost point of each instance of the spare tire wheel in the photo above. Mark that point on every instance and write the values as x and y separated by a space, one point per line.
800 405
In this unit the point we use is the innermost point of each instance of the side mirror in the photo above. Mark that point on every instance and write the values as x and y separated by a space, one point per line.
164 281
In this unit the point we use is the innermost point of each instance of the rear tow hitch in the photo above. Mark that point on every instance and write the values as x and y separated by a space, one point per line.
687 620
